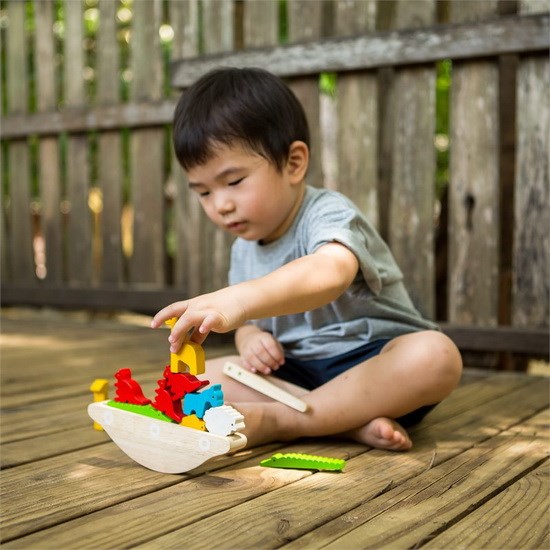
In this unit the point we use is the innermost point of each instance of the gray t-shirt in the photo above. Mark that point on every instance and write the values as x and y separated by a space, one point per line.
376 305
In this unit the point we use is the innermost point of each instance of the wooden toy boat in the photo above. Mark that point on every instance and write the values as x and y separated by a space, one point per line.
162 446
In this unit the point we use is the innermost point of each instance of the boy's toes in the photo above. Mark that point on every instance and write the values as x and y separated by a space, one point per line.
384 433
400 441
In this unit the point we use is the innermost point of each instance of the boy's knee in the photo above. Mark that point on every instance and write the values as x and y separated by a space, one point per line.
444 356
433 353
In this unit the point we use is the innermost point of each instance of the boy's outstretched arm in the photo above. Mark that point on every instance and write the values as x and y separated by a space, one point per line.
301 285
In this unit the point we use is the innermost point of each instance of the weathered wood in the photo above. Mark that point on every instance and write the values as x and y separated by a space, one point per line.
474 219
534 6
218 18
136 114
69 469
386 115
44 418
184 17
498 524
141 298
48 445
510 34
531 274
110 150
357 117
218 37
157 513
305 23
67 487
260 23
147 152
79 230
49 159
418 509
512 339
20 230
151 113
411 214
147 300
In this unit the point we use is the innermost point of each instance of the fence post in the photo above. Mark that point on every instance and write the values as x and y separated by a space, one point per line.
411 210
474 218
110 147
49 159
79 242
219 36
147 151
532 205
20 231
305 22
184 17
357 116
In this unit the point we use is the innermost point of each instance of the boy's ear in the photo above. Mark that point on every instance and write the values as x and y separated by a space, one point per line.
298 161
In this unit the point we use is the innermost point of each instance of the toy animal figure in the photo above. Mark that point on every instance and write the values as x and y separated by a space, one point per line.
171 390
224 420
128 390
166 403
199 402
182 383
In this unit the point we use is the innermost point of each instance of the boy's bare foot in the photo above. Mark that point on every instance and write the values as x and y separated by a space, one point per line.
382 433
260 423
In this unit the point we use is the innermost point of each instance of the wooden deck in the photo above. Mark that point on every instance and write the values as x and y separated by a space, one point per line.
477 476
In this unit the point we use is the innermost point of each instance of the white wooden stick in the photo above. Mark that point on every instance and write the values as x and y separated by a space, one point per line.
261 384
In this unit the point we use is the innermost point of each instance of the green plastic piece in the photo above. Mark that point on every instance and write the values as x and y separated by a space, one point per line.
145 410
303 462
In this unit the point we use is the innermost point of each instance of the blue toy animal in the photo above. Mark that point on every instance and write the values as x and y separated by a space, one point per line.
199 402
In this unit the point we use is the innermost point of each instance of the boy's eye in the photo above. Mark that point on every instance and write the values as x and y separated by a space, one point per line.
204 193
236 182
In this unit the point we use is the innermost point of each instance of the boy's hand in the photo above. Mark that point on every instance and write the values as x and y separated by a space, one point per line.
259 350
218 311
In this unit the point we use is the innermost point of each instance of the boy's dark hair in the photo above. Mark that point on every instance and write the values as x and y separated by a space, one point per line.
250 107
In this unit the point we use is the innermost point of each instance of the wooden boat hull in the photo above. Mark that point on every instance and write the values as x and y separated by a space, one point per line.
161 446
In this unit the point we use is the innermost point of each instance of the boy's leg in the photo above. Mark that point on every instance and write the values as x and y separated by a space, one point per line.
413 370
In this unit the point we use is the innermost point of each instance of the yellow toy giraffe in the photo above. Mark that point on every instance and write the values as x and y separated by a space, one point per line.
190 358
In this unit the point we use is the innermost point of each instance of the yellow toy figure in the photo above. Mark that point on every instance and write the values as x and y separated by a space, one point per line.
191 355
100 389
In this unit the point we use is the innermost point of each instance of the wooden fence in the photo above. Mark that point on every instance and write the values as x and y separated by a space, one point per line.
95 212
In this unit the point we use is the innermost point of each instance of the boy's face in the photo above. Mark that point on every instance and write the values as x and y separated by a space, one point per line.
244 194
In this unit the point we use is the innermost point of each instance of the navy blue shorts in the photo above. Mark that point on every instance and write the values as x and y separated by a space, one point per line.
316 372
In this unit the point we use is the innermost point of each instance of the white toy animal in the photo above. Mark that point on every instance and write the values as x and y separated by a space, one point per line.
224 420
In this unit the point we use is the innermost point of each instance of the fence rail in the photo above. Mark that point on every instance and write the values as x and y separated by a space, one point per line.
505 35
94 209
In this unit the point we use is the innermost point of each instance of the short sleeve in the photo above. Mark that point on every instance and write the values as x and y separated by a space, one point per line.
337 220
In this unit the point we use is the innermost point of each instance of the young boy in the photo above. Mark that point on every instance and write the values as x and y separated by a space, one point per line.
315 296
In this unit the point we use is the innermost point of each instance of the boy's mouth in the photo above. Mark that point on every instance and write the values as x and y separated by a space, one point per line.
236 226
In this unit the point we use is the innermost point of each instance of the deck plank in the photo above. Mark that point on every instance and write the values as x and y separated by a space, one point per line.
497 523
66 485
150 516
414 512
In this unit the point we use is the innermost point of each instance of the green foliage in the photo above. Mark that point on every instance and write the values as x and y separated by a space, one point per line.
327 83
283 22
443 87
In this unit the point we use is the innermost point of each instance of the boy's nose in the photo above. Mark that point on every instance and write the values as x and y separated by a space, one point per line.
224 205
